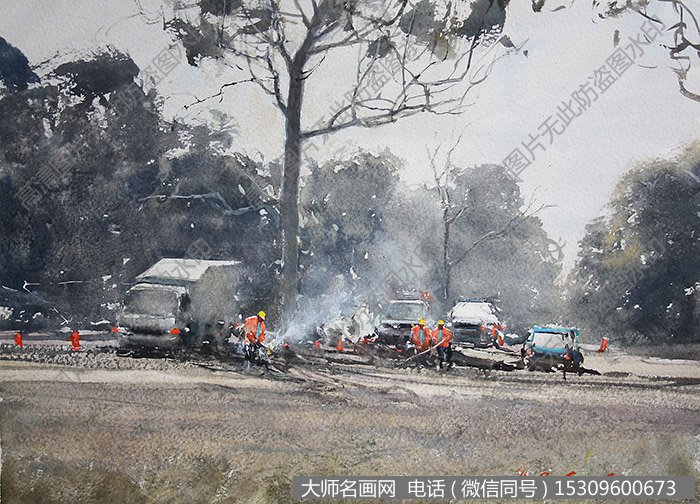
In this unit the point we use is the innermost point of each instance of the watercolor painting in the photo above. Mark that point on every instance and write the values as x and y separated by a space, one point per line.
267 251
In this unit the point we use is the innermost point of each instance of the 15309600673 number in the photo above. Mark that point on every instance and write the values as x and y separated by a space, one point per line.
615 488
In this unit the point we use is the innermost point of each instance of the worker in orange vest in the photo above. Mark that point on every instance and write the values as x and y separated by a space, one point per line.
74 339
442 337
254 328
421 336
254 333
497 333
18 339
603 345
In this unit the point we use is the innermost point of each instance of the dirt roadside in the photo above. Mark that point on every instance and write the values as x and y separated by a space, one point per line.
175 432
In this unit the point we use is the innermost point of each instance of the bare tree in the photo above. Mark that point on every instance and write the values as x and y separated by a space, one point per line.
686 47
406 58
676 17
682 23
456 200
452 207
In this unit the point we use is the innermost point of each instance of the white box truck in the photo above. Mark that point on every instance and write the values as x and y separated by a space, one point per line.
180 302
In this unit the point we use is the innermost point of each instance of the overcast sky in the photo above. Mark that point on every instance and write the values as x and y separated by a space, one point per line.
641 115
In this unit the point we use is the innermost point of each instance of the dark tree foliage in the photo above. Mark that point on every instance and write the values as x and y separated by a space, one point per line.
638 273
97 77
344 204
111 199
15 72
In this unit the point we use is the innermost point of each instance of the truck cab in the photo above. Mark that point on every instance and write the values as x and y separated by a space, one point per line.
156 313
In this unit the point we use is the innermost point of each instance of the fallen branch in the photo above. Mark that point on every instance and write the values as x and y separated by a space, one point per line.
425 351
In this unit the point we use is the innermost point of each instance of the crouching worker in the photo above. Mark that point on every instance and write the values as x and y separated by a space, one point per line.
254 334
442 337
573 359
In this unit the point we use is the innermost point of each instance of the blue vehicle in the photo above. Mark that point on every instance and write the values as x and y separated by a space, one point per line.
547 346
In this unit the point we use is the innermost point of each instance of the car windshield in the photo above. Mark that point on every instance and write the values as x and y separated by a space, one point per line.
158 302
405 311
474 313
552 339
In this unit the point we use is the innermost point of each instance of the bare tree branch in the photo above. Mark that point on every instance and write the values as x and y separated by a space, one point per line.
686 21
219 94
405 104
219 202
276 84
304 17
520 216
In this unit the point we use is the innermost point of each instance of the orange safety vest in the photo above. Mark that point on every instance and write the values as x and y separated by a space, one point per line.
254 329
603 345
446 338
496 332
18 340
75 339
424 341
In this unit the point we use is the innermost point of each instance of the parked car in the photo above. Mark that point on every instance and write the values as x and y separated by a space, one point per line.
398 320
471 321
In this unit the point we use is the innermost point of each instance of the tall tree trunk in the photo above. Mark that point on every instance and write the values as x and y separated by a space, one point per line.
446 267
289 200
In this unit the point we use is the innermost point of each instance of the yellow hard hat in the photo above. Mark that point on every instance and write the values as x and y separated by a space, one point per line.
421 322
262 314
441 322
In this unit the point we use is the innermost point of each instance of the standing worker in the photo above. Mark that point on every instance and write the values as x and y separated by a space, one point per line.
421 337
254 333
74 339
18 339
497 332
442 337
568 360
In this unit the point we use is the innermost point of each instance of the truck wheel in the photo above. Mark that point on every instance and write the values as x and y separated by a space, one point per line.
124 343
